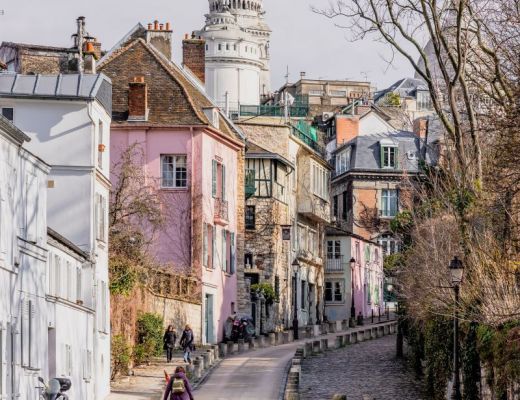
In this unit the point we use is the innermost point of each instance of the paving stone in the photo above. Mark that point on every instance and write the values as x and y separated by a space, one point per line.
368 370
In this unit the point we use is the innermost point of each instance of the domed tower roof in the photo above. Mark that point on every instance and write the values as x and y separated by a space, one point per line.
248 7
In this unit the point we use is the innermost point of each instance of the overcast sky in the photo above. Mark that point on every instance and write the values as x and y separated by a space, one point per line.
301 40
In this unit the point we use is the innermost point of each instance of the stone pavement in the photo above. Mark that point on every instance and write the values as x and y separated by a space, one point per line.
365 371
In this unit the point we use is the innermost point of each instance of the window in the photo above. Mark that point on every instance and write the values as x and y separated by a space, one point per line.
335 206
232 253
334 291
389 244
313 242
218 180
303 295
338 93
31 208
333 249
101 146
227 46
250 217
389 203
79 288
344 199
367 253
213 247
101 210
248 260
424 100
219 47
315 92
302 237
343 161
102 311
174 173
389 156
320 181
224 255
8 113
235 47
205 243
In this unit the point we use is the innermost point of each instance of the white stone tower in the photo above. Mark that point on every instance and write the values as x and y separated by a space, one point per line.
237 52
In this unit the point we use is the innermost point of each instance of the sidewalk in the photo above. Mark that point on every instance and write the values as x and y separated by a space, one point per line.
148 381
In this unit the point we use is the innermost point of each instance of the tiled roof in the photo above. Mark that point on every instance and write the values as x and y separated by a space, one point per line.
38 47
192 94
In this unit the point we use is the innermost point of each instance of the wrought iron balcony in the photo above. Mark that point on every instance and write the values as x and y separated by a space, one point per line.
335 264
221 211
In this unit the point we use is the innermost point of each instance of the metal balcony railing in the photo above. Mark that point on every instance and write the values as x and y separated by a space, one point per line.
221 209
335 264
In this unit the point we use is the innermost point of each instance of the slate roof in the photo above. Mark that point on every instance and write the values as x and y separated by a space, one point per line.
66 87
406 87
8 127
366 152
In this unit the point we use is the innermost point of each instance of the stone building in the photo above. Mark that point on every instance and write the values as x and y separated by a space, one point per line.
237 53
193 159
324 97
287 210
374 163
37 59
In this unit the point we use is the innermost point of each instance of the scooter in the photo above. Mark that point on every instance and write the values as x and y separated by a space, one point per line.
54 390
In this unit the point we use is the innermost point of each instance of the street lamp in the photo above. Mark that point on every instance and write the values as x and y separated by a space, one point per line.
296 266
456 273
352 305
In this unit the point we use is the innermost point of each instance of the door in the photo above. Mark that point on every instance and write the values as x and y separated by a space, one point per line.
210 337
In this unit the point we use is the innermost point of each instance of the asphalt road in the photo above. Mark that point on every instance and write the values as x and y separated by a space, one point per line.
255 375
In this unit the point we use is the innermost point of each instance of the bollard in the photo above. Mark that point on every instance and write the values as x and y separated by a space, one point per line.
241 346
272 339
216 352
291 336
316 346
261 341
316 331
285 339
380 332
230 348
324 344
352 322
197 372
205 357
332 327
373 333
201 363
308 349
386 330
368 334
222 347
293 383
347 339
353 338
211 358
338 342
360 336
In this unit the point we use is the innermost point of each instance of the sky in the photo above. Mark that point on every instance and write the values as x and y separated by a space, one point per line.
302 41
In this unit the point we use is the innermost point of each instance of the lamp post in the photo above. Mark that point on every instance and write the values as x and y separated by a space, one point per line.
456 273
296 266
352 305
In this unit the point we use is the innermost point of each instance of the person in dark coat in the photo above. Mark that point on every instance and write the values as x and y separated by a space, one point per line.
169 340
187 343
170 394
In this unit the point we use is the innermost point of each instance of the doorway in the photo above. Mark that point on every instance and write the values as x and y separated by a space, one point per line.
208 319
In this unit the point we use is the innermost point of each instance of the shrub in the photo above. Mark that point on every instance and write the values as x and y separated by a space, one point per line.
266 289
149 337
121 353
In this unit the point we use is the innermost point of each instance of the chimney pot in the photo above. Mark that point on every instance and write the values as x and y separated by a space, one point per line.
156 25
194 56
186 36
161 27
168 26
150 26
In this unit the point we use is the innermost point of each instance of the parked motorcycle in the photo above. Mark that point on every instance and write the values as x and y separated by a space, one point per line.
243 328
55 389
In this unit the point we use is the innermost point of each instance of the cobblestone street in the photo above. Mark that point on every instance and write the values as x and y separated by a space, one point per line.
365 371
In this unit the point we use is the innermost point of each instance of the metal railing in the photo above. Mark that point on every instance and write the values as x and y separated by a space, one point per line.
221 209
335 264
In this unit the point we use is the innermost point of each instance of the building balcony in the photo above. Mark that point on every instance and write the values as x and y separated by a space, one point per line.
314 208
336 264
221 212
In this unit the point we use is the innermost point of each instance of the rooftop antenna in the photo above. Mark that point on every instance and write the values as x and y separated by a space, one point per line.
365 74
287 76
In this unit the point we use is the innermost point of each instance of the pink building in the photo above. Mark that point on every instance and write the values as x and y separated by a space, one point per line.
194 157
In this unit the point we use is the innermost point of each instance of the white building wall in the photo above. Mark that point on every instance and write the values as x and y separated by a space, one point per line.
68 134
23 316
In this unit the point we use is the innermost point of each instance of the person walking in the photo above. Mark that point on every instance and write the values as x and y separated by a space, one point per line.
178 387
169 340
187 343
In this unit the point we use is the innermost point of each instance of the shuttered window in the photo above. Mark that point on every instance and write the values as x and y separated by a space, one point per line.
214 178
224 250
232 260
205 245
214 247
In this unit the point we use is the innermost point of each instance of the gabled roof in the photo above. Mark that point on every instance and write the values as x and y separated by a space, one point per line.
37 47
196 98
60 87
406 87
10 129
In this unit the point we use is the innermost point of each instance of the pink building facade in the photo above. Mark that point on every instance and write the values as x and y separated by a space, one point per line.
191 155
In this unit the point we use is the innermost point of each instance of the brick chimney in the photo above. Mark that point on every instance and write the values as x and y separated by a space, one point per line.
194 56
160 36
420 127
137 100
363 109
347 128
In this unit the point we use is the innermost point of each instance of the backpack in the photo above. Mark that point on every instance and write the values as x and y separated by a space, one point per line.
178 386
